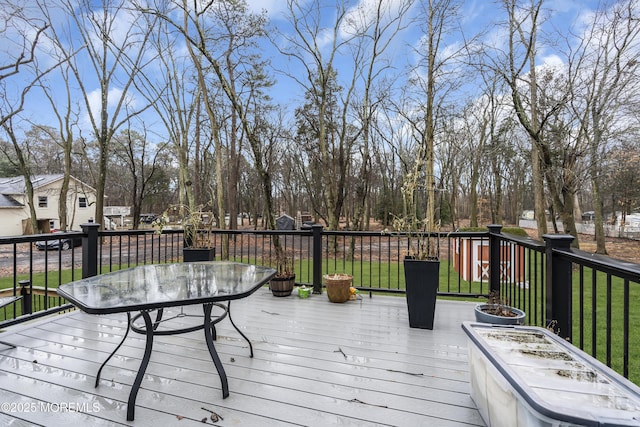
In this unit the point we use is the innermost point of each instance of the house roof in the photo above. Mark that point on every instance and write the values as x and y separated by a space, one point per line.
9 202
14 186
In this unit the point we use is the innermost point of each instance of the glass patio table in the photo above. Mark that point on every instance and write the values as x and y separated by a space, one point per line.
153 288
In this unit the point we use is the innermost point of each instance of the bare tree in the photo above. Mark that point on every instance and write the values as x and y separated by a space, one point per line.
538 103
21 35
176 97
24 166
430 86
332 138
115 51
603 72
196 28
66 113
142 161
388 159
478 122
375 26
523 23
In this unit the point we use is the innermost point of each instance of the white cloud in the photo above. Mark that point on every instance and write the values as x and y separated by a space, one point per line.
114 96
363 14
275 8
325 38
553 61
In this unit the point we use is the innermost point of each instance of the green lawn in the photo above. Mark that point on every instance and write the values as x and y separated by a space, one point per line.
607 304
603 305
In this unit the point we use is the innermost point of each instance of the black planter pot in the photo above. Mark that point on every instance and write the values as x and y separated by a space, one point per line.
198 254
421 280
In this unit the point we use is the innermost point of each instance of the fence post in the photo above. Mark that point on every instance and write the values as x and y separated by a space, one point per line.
494 257
558 285
317 258
25 293
90 249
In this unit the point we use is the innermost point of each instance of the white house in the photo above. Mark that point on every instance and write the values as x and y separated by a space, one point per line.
14 209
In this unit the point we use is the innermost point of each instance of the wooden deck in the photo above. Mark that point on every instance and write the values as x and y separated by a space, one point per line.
316 363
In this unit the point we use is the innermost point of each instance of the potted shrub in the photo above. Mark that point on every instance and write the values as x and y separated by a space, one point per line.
422 277
497 311
283 282
197 224
422 263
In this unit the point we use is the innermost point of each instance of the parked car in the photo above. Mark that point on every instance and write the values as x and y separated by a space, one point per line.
588 216
148 218
64 243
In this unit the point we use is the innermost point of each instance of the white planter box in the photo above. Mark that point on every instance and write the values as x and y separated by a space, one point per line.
525 376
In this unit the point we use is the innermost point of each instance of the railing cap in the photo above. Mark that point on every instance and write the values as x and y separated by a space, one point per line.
90 225
558 239
494 228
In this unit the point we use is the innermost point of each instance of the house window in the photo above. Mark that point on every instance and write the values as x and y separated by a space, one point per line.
82 202
42 201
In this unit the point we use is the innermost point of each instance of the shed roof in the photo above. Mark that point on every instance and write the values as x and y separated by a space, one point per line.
9 202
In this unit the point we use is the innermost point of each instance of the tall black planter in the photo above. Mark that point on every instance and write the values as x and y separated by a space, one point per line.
421 279
198 254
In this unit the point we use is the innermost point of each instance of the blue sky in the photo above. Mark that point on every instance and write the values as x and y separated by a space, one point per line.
476 15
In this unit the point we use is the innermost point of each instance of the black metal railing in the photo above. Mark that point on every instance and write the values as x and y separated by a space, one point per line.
597 309
583 297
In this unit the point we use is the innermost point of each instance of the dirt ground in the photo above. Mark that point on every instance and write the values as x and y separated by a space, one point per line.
623 249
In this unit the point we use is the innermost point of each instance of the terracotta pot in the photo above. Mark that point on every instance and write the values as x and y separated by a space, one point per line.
338 286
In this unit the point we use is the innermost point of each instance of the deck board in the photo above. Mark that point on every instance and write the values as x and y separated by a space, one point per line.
316 363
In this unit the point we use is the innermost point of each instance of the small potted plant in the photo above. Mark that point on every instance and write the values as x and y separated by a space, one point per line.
197 224
498 312
283 282
338 286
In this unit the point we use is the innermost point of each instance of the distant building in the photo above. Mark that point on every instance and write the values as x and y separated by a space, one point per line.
285 222
14 209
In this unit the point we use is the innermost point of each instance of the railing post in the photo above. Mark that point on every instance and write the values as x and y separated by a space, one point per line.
25 293
317 258
494 257
90 249
558 285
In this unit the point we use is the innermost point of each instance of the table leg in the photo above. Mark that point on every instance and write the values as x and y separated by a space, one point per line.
239 331
158 318
114 351
131 404
208 336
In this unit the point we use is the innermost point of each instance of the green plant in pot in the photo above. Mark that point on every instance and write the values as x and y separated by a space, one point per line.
283 282
197 224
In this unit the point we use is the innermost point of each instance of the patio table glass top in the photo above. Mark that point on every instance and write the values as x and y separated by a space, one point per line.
155 286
